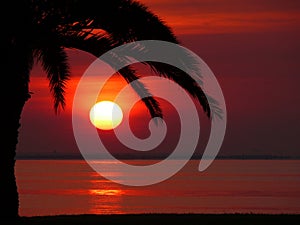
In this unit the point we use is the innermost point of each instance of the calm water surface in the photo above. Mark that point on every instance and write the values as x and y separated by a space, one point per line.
51 187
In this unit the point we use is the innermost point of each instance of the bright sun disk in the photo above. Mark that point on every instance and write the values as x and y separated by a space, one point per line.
106 115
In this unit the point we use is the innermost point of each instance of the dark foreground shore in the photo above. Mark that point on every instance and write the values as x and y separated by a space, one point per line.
166 219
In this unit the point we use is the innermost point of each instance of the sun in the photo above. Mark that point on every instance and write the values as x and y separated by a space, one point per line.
106 115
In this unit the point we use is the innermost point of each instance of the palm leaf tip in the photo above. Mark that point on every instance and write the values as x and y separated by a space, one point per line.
58 92
150 102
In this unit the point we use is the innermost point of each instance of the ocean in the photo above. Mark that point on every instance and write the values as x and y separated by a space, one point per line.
55 187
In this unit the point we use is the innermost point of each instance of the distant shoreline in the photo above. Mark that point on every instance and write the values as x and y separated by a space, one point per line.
264 157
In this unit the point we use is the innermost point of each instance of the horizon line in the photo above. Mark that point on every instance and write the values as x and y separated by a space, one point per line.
122 157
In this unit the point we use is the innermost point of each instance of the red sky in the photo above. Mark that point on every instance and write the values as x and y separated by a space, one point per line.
253 49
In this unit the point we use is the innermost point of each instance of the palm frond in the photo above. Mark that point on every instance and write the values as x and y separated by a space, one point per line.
184 80
133 21
151 103
180 57
95 44
98 45
125 21
54 61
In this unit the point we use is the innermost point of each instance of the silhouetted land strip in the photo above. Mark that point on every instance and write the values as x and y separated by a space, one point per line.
131 157
154 219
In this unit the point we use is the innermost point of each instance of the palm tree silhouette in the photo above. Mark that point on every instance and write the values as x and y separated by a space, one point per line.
42 30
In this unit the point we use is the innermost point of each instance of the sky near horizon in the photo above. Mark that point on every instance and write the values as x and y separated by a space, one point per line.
253 49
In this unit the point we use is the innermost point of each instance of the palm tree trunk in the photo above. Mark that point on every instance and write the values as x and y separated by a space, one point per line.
7 164
16 63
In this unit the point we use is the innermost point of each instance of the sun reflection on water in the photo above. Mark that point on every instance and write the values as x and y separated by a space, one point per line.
105 197
106 192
